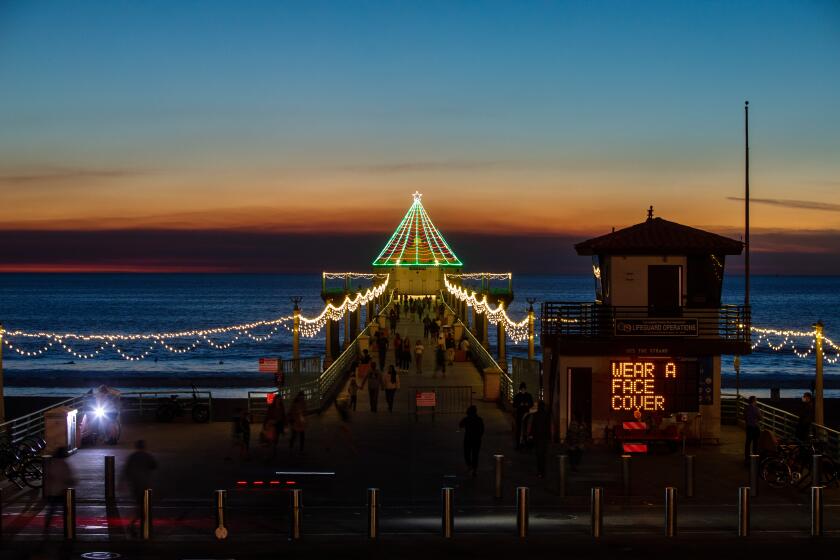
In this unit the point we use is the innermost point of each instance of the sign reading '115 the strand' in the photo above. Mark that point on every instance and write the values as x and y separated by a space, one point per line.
653 385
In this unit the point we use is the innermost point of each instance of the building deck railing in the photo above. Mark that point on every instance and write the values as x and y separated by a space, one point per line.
597 321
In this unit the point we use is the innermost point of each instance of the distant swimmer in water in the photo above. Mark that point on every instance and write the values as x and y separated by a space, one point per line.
70 363
220 362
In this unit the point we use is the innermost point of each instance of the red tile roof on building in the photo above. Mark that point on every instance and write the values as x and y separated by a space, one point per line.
656 236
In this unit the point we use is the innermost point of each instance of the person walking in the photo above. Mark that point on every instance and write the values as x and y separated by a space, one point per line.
59 478
353 389
397 349
540 431
297 420
391 383
392 319
383 349
138 474
577 434
274 425
418 357
752 421
241 428
405 363
374 381
473 427
440 361
426 323
450 348
806 418
522 403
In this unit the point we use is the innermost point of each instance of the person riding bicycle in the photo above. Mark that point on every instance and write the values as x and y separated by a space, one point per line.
107 399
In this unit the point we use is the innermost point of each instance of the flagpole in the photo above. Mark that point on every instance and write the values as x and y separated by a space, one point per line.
746 203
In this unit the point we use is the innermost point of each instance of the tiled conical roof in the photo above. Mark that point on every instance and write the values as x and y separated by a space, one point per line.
416 242
659 237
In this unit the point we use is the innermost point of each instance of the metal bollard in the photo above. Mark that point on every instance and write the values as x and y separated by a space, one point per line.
689 476
373 513
499 458
447 512
625 473
816 511
295 513
753 476
146 517
221 531
816 471
597 512
670 511
744 511
70 514
562 475
110 494
45 474
522 511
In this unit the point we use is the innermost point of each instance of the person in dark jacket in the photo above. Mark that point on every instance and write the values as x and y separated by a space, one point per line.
806 418
522 403
382 346
374 382
473 427
540 431
752 420
138 473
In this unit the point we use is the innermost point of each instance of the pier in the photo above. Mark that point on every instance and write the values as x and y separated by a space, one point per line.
412 452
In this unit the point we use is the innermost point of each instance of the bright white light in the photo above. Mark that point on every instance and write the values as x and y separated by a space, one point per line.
99 411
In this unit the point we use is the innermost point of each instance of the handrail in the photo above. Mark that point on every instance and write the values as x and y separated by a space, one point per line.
783 423
319 391
32 424
482 358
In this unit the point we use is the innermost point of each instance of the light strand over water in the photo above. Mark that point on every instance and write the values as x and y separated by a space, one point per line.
309 328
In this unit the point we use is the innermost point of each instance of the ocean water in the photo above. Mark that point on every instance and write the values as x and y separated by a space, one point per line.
139 303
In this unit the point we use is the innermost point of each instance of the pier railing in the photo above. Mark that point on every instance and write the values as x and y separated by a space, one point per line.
482 358
597 321
781 422
320 390
32 424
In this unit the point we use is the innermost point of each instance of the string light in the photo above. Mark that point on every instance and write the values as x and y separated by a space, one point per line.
778 340
416 242
483 275
518 331
349 275
308 327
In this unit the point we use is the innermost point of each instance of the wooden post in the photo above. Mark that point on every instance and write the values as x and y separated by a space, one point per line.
328 357
296 333
346 324
2 398
819 410
531 352
501 343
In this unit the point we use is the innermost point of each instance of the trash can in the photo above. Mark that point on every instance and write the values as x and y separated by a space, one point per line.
60 429
492 384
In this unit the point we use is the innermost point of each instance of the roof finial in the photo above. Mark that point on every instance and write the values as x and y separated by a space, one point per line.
417 195
650 213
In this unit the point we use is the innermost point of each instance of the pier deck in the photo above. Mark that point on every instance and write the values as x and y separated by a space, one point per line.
409 459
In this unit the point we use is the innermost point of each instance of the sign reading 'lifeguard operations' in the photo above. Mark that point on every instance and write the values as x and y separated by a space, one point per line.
656 327
653 385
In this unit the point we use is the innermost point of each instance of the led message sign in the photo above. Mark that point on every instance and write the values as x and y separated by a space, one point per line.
653 385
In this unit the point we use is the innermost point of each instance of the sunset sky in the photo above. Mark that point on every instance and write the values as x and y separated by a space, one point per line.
289 136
